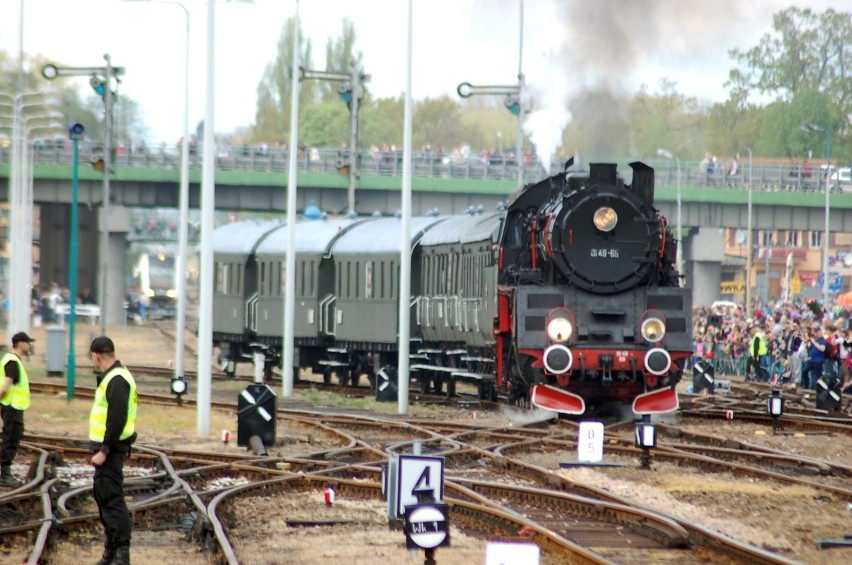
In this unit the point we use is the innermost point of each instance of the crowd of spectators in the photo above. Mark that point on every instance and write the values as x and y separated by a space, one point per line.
794 343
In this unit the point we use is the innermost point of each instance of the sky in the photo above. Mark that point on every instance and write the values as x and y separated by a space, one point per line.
568 46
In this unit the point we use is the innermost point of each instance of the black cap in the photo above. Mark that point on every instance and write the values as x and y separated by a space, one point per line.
102 344
21 336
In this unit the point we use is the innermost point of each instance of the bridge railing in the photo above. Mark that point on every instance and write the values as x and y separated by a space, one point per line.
427 164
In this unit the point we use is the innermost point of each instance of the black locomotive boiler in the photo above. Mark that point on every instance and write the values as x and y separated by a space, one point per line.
590 307
567 298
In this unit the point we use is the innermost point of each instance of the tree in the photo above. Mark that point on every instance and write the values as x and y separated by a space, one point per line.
339 58
806 52
274 93
438 122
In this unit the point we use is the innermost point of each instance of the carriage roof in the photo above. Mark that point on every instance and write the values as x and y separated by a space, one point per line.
312 236
464 229
239 238
381 235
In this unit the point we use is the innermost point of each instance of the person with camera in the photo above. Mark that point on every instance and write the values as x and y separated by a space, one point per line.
792 339
815 364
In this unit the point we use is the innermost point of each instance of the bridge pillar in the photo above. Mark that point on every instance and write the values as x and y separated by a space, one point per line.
704 251
54 245
118 224
55 237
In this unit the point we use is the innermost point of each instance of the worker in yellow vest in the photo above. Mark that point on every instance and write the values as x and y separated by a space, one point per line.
14 399
112 430
758 349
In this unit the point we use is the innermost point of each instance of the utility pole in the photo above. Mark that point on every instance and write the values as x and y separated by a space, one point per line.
351 90
102 80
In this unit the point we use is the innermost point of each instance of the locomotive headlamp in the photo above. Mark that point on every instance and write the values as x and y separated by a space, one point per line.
559 329
653 329
605 219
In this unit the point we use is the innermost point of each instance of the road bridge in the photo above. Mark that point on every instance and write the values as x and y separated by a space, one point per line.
253 181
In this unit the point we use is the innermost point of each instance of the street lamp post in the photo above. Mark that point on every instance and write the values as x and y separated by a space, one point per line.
669 155
183 199
20 233
749 242
76 131
813 127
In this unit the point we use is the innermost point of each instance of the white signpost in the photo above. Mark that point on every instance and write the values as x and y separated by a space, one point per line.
590 442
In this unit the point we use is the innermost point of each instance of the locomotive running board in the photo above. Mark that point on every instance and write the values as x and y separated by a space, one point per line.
550 398
656 402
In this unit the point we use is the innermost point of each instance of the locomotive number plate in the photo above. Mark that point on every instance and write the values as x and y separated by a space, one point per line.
604 253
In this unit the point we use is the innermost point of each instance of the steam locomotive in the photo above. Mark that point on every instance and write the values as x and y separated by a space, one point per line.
566 298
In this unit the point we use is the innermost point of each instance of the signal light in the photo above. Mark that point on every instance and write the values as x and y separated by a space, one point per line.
513 104
98 85
345 91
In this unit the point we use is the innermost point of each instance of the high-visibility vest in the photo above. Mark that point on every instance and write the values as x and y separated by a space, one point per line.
98 415
18 395
762 349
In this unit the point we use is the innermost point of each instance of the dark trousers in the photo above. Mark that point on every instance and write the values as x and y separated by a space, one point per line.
811 373
13 432
109 494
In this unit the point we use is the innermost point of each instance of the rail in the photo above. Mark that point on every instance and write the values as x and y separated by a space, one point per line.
429 164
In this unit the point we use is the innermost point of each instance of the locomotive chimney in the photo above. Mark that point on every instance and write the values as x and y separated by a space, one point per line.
605 173
643 181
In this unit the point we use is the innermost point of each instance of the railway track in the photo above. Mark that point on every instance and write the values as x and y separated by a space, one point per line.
199 493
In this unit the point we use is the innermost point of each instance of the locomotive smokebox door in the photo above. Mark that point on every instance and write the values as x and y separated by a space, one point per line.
257 406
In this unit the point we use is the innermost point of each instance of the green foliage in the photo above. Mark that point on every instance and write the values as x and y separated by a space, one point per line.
324 125
128 124
381 122
339 57
272 118
803 63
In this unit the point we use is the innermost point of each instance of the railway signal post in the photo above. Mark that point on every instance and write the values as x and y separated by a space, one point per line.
102 80
351 90
513 102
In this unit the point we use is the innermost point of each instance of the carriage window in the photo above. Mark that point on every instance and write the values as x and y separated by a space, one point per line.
348 279
382 280
237 287
311 278
282 273
392 276
220 274
303 276
339 279
451 264
263 279
357 282
368 280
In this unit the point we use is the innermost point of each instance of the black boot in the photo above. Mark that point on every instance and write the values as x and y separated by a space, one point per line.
6 478
122 556
107 558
